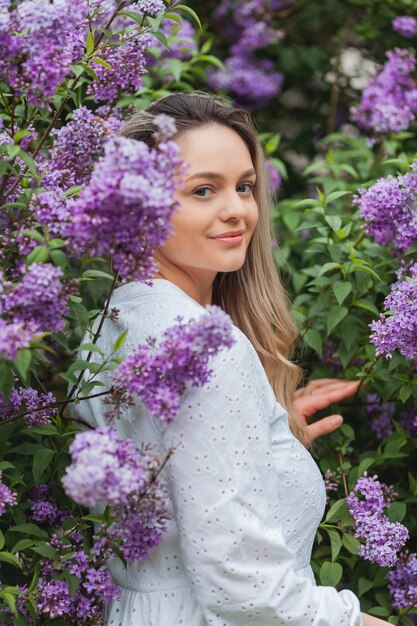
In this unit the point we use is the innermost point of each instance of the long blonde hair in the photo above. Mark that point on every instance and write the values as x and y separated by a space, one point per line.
253 296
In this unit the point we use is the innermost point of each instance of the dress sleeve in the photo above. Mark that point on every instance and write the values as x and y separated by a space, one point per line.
224 489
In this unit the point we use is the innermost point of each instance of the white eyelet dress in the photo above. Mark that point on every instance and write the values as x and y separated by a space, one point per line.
245 496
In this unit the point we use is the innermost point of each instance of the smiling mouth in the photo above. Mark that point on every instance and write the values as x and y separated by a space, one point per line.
231 239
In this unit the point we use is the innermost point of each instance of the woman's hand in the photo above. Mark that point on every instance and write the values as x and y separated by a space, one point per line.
318 394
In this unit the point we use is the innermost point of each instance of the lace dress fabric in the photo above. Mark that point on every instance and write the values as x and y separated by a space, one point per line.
245 496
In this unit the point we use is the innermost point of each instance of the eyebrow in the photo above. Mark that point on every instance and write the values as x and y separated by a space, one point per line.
217 176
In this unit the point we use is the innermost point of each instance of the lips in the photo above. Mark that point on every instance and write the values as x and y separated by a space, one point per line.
230 233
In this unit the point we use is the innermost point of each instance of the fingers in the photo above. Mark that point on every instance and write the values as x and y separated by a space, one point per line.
324 426
307 404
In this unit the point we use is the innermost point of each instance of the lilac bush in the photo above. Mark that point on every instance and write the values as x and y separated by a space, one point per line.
405 26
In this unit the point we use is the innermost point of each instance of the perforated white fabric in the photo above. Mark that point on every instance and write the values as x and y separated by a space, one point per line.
245 496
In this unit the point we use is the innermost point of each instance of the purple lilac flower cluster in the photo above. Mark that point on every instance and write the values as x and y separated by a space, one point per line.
383 539
38 300
408 420
104 468
381 414
253 81
77 146
389 102
274 176
40 41
389 207
398 330
403 581
94 585
7 497
108 469
125 66
405 25
29 400
125 209
43 509
150 7
159 374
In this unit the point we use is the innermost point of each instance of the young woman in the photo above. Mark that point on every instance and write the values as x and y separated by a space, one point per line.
245 495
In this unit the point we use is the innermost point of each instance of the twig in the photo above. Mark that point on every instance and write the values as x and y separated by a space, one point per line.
343 474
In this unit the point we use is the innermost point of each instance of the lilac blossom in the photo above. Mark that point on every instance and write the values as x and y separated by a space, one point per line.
150 7
274 175
403 581
381 414
383 539
127 66
108 469
40 42
408 420
13 337
7 497
159 374
76 148
396 328
29 399
252 81
389 207
38 299
125 209
43 510
389 102
405 25
104 468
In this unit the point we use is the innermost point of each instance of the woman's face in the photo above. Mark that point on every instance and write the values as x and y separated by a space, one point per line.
216 199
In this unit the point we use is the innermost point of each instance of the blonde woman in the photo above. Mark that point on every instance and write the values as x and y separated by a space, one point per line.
246 496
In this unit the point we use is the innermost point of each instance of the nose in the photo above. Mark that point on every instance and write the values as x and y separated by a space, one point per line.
233 207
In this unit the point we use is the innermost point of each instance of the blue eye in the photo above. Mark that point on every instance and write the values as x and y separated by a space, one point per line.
196 192
250 185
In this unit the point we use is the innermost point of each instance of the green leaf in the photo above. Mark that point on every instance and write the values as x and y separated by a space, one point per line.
34 235
313 339
90 347
341 290
364 303
351 543
161 37
334 222
1 540
330 573
335 316
41 460
397 511
364 585
327 267
6 380
337 511
334 195
10 599
335 542
40 254
22 363
95 517
8 557
44 429
90 43
193 14
29 529
121 340
101 62
44 549
96 274
22 544
210 58
405 392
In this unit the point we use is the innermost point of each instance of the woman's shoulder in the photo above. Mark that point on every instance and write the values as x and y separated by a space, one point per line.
160 298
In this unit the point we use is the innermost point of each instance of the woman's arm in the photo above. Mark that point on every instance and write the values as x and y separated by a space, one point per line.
225 492
370 620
